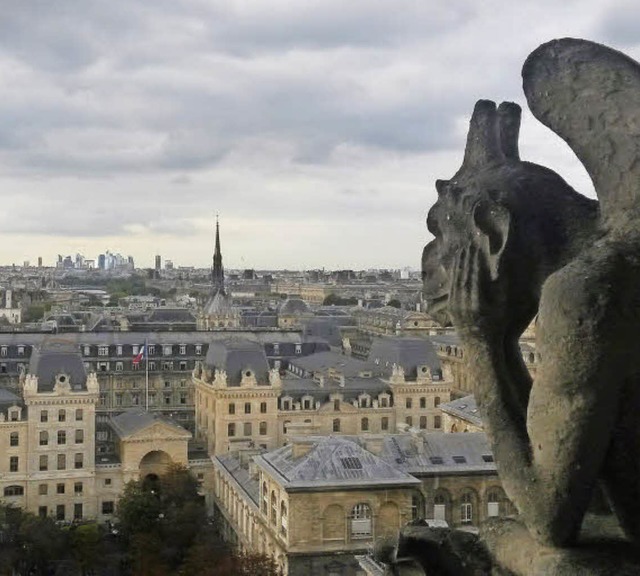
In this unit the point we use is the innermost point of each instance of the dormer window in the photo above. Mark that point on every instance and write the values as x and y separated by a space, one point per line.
14 414
3 351
103 350
20 350
86 350
167 350
298 348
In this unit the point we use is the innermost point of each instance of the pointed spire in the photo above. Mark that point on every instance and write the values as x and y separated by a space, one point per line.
217 273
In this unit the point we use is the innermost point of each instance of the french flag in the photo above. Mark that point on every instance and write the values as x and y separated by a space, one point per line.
143 351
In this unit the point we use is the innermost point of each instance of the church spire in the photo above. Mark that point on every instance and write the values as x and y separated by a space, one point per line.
217 274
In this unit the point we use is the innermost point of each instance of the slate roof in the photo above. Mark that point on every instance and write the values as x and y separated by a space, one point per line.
8 398
464 408
347 365
55 356
219 303
234 356
353 387
437 453
406 352
332 462
136 419
241 475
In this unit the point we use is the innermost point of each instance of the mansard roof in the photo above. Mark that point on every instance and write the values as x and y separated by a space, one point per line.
136 419
235 355
464 408
406 352
56 356
332 462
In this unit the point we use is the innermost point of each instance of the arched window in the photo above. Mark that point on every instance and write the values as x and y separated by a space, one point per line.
417 506
336 425
283 518
361 521
466 508
274 507
264 497
14 491
364 424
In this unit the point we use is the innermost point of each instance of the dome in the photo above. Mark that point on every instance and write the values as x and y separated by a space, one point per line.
294 306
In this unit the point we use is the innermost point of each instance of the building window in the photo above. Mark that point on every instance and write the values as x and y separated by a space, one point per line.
298 348
60 515
62 416
14 439
60 488
384 423
77 488
62 461
423 422
384 402
167 399
409 421
44 416
183 366
168 366
119 366
364 424
78 460
119 349
198 349
20 350
437 422
274 507
232 408
284 426
336 405
247 407
13 464
107 481
264 497
336 425
436 401
361 521
167 350
183 397
43 511
62 437
108 507
283 518
152 349
263 407
43 489
77 511
86 350
44 463
263 428
152 365
466 509
79 414
79 436
103 350
231 429
247 429
409 402
423 402
14 491
3 351
183 349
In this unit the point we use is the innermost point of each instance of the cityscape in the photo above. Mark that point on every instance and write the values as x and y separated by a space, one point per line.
218 356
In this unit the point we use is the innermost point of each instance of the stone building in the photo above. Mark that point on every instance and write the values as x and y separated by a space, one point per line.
319 501
461 415
52 465
241 403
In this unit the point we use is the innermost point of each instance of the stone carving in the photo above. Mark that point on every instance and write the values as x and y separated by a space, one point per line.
513 239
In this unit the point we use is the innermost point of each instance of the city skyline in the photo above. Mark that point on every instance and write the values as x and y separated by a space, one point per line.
315 129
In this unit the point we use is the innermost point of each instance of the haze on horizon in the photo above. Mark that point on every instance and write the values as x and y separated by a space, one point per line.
315 129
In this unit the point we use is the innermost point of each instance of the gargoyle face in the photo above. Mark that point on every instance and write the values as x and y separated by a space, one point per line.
449 222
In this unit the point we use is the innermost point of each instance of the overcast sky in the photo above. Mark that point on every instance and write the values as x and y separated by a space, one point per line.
315 128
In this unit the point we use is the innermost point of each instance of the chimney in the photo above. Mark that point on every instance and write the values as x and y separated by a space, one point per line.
374 444
300 446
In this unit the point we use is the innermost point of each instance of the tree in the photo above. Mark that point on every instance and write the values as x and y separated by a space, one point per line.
394 303
87 546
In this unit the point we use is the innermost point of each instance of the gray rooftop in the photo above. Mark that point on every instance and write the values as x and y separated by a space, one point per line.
57 355
352 388
406 352
346 365
332 462
236 355
136 419
464 408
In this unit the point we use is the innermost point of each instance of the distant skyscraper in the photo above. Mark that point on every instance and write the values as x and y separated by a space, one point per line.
39 261
158 262
101 261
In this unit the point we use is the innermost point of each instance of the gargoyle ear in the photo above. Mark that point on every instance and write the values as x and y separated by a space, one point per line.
492 224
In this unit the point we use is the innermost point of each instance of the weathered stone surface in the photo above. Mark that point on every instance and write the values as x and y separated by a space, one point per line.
513 240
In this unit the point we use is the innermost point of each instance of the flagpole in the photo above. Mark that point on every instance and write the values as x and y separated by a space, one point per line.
146 385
